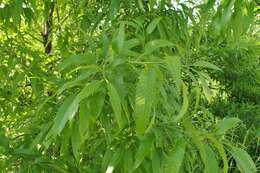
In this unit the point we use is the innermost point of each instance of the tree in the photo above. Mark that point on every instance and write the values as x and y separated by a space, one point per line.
118 86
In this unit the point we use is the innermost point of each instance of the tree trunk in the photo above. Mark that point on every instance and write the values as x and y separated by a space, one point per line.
47 28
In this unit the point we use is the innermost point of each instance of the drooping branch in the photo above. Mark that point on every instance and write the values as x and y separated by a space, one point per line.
47 29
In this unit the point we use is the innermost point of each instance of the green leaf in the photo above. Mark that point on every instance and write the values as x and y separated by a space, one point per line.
225 125
143 150
72 61
67 109
156 44
212 165
156 162
150 28
121 37
185 104
176 158
128 160
129 44
116 104
197 140
206 64
75 82
76 141
116 158
243 160
206 90
84 119
88 90
70 107
141 5
145 96
174 66
221 151
114 6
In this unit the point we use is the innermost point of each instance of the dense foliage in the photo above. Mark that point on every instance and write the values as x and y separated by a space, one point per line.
141 86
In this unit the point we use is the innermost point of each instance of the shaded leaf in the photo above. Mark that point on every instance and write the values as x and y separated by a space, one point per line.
116 105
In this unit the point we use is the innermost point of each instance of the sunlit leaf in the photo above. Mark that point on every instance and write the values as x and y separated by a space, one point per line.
145 95
174 66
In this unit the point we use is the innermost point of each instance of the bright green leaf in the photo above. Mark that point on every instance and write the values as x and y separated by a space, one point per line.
145 95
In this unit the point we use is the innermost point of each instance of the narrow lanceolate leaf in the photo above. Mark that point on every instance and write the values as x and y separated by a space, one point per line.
185 103
75 82
67 109
150 28
206 65
129 44
121 37
156 162
219 146
197 140
83 120
116 158
116 104
76 141
226 124
174 66
206 90
156 44
145 95
143 150
88 90
212 165
175 160
114 6
243 160
70 107
72 61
